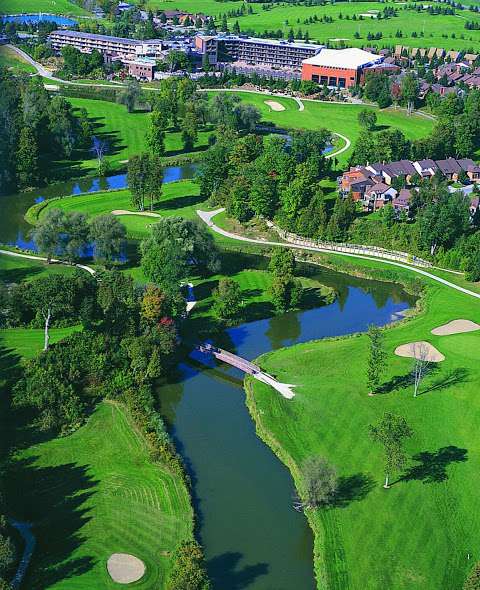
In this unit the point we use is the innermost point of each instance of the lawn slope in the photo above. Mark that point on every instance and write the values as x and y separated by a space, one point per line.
419 534
94 493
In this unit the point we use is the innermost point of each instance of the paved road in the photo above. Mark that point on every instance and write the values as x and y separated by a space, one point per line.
207 216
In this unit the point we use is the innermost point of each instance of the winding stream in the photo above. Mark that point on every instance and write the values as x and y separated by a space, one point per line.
253 538
14 230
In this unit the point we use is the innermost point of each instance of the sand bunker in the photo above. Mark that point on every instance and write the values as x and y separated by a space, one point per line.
143 213
456 327
415 350
274 105
125 568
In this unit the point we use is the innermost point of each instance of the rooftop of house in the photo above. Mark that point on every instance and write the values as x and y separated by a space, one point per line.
449 166
81 35
379 187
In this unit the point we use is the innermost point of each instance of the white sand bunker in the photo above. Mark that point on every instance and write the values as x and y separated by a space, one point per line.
274 105
125 568
456 327
420 350
143 213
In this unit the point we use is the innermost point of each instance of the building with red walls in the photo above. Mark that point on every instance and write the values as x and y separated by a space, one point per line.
339 68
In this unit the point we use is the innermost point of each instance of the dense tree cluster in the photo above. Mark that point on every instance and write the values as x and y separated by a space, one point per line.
188 569
273 178
35 130
78 63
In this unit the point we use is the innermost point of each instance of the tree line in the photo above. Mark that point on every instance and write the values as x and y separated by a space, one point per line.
36 130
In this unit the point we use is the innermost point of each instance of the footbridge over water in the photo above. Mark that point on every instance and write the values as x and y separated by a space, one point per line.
285 389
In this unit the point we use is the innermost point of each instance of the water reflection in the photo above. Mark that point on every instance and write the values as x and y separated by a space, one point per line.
253 538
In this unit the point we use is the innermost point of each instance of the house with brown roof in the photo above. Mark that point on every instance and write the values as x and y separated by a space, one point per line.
425 168
450 168
356 181
472 169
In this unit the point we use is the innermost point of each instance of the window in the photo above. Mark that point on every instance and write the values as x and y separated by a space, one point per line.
341 82
315 78
323 80
332 81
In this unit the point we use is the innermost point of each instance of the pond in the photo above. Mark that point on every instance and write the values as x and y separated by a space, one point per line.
40 17
14 230
243 495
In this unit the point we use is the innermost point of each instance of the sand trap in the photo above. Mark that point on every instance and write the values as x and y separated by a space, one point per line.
414 350
144 213
456 327
125 568
274 105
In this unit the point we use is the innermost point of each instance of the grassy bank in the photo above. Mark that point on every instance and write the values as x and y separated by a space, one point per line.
337 117
418 534
46 6
94 493
13 61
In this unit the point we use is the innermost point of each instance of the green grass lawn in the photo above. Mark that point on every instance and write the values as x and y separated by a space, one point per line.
125 133
16 270
178 198
338 117
418 534
11 60
27 342
436 30
95 493
36 6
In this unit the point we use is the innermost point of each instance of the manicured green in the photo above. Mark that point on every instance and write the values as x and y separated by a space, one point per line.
418 534
11 60
437 30
178 198
95 493
335 116
27 342
47 6
125 133
15 270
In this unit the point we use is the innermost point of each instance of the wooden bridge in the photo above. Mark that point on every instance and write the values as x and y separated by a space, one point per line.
285 389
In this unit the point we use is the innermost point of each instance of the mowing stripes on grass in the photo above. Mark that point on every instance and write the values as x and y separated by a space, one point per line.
95 493
417 535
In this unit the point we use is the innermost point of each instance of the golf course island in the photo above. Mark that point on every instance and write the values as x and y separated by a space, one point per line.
239 295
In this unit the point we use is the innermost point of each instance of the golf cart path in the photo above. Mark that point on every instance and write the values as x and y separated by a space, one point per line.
89 269
207 217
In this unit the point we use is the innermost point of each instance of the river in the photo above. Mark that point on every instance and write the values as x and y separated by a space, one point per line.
14 230
253 539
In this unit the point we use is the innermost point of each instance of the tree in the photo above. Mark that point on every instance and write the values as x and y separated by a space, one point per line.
76 232
145 179
153 306
320 482
188 571
473 580
62 125
108 235
50 296
367 119
131 95
28 172
376 358
227 300
48 233
155 138
409 91
99 149
282 263
176 244
391 431
421 363
189 129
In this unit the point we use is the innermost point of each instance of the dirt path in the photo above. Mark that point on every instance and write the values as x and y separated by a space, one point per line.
89 269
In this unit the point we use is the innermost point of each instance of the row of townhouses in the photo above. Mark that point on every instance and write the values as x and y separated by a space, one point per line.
372 184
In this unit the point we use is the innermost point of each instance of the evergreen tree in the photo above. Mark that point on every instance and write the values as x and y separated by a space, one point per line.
28 173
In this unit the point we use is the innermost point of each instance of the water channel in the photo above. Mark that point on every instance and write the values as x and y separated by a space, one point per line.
34 19
14 230
252 536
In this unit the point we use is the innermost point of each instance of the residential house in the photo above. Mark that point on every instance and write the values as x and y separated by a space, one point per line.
355 181
401 203
472 169
426 168
377 196
450 168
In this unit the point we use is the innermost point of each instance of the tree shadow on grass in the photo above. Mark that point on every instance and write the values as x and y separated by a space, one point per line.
432 465
397 382
224 573
352 488
179 203
454 377
54 500
18 275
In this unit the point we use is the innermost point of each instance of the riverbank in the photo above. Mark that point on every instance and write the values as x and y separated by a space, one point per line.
368 539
